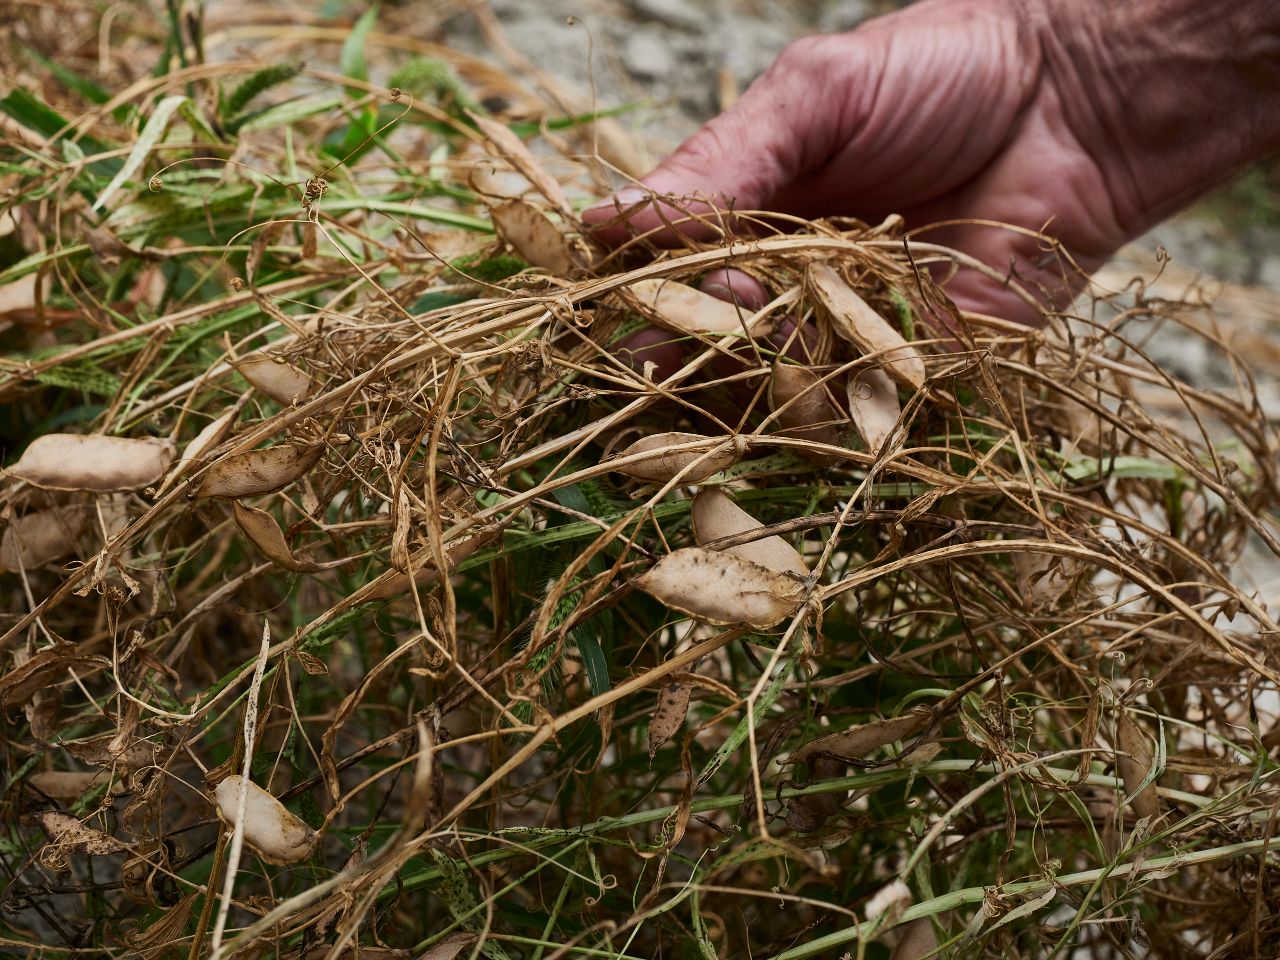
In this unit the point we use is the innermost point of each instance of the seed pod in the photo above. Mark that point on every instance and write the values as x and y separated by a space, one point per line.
853 320
258 471
511 148
93 462
721 588
276 834
679 307
715 515
668 716
488 181
918 940
34 539
666 464
534 237
263 531
1135 761
204 441
799 398
282 382
67 786
873 402
857 742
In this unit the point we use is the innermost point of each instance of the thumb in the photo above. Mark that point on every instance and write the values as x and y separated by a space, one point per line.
737 161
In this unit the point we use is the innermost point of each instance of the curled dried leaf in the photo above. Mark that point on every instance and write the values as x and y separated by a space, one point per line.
504 143
722 588
34 539
487 180
1135 761
857 742
269 828
1043 578
71 836
533 235
282 382
715 515
261 528
683 309
668 715
675 455
873 403
93 462
854 320
258 471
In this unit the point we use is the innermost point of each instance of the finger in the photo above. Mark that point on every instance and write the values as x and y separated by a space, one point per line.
736 287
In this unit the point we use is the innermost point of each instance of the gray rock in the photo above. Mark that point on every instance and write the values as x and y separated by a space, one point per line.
675 13
843 15
647 55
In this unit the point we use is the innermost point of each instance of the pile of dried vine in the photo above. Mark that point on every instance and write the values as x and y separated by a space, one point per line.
376 585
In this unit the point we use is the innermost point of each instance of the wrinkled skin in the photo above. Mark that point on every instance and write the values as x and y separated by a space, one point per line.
1087 119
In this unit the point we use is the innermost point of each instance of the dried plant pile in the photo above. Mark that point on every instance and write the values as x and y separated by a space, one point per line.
377 584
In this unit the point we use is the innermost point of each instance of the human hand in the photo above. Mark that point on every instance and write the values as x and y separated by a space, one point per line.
1086 119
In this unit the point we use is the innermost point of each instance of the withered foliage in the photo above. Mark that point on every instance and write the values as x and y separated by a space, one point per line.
511 703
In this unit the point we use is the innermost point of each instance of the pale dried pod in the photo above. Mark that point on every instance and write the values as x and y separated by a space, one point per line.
675 455
281 381
503 142
533 235
269 827
209 437
854 320
68 786
1135 760
92 462
715 515
722 589
874 406
35 539
919 940
265 534
427 574
487 180
683 309
668 715
798 397
258 471
857 742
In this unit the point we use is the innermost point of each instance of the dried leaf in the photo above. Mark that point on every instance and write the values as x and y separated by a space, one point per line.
34 539
1136 761
281 381
275 833
668 716
721 588
20 294
666 463
683 309
873 403
70 461
66 786
487 180
1043 578
258 471
857 742
69 835
533 235
918 940
853 320
799 398
261 528
39 671
715 515
450 946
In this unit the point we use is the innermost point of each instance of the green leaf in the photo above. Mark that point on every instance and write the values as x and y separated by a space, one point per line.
352 61
150 136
